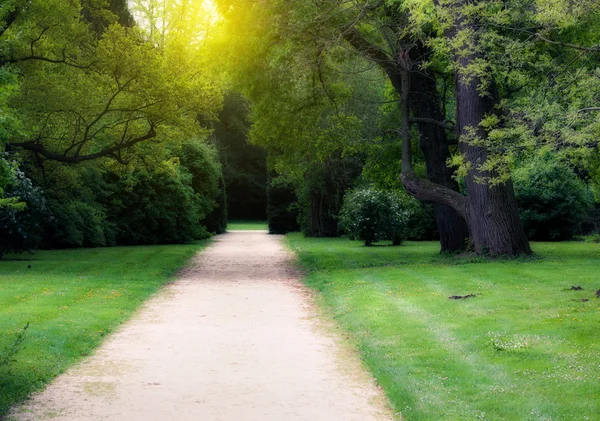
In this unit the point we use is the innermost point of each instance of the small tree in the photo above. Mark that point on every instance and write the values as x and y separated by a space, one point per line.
371 215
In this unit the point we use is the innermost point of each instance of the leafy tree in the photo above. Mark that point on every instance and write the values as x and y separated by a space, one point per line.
331 31
84 96
496 57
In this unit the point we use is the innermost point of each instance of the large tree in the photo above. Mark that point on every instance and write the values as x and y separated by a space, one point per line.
91 88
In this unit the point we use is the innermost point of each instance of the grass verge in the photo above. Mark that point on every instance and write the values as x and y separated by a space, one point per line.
526 347
247 225
71 300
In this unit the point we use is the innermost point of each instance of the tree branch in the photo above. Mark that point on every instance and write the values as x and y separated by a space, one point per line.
76 159
426 190
566 44
448 125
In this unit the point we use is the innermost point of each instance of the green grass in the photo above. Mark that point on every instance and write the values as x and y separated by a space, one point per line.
247 225
72 299
525 348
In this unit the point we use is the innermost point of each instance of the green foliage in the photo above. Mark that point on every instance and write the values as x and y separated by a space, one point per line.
21 224
156 207
177 199
216 220
77 223
372 215
553 202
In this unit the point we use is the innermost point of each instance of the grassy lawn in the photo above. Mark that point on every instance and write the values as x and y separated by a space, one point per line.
247 225
72 299
526 347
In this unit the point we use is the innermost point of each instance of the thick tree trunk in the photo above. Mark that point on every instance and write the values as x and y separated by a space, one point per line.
493 215
434 143
426 103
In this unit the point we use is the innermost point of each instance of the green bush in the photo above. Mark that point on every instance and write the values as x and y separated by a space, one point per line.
158 207
552 200
77 224
372 215
201 161
21 224
176 200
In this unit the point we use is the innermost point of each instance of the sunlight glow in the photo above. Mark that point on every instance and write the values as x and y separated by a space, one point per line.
163 19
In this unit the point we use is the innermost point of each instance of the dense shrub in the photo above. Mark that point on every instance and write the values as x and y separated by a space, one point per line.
176 200
371 215
282 213
157 207
207 181
77 224
216 220
21 225
552 200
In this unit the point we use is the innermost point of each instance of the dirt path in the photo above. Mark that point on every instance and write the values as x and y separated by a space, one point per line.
235 338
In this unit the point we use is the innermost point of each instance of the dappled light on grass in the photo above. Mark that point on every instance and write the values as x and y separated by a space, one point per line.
525 347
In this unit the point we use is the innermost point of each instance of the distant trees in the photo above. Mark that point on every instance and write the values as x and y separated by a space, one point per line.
244 164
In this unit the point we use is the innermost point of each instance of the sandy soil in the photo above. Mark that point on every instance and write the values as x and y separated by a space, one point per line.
235 338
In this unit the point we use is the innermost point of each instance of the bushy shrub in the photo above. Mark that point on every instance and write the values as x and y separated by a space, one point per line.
202 162
21 224
158 207
77 224
216 221
175 200
372 215
552 200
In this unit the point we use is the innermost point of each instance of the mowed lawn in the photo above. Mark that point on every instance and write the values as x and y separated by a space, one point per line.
71 300
526 347
247 225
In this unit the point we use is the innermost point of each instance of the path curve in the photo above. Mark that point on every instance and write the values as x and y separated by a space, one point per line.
236 337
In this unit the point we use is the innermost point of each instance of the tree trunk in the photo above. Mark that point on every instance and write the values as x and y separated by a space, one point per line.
490 211
426 103
493 215
434 143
